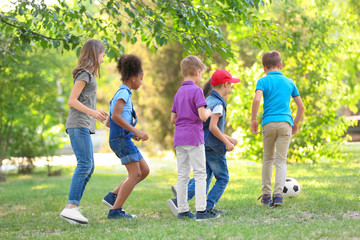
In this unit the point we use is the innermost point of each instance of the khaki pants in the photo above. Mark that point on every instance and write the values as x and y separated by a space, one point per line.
188 157
276 135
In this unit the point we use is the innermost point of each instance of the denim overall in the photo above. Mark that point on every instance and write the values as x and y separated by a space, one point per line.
120 140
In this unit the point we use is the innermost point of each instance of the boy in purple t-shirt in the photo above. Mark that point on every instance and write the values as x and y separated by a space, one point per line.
188 113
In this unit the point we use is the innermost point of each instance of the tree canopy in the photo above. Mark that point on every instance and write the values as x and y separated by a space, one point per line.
318 41
195 24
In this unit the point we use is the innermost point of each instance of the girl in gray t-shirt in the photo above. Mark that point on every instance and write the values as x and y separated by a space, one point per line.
80 123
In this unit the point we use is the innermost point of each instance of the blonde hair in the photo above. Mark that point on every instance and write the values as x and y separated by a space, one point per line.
190 65
271 59
89 57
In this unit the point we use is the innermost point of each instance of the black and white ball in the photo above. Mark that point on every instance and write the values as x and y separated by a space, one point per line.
291 188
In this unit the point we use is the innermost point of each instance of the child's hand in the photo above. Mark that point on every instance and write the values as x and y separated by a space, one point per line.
229 146
294 129
99 115
254 126
107 122
142 135
233 141
136 138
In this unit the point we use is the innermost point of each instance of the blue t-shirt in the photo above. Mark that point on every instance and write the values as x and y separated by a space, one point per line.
125 94
277 90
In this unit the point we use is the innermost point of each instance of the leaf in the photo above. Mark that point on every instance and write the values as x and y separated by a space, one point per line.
66 46
78 50
21 11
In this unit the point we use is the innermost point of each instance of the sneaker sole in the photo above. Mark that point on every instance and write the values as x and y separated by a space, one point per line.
172 207
106 203
275 205
205 219
132 217
174 191
74 221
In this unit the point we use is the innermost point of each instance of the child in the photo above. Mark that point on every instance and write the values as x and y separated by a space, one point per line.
216 142
122 130
277 124
188 113
80 123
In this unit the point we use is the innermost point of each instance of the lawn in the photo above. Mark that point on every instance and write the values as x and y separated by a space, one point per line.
327 208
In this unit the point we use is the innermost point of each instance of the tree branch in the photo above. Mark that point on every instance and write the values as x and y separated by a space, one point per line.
32 32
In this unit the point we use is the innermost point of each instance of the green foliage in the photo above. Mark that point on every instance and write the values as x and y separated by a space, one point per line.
323 60
31 24
31 107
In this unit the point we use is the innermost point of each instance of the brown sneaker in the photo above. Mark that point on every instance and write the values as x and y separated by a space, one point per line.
265 199
276 200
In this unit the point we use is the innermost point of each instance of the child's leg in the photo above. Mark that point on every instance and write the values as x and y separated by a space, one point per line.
144 173
191 188
134 176
183 164
218 166
198 163
82 146
282 146
269 138
209 175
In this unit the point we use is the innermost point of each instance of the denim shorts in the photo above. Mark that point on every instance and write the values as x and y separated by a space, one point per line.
125 149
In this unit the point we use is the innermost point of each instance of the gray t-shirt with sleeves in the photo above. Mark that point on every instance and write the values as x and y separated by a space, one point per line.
75 118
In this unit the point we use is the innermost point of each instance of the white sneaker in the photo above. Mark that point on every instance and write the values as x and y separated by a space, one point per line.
73 216
172 203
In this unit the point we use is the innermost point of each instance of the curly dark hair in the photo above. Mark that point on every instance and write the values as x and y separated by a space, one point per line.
128 66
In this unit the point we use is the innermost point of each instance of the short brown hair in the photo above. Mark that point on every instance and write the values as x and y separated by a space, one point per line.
271 59
190 65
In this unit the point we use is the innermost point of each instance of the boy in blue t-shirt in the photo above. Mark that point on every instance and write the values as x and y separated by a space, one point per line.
277 123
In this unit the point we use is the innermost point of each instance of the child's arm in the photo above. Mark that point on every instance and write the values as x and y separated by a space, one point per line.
119 120
299 113
254 110
231 139
108 122
75 103
173 118
204 113
214 129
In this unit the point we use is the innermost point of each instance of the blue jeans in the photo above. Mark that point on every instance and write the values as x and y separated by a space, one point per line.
82 146
216 165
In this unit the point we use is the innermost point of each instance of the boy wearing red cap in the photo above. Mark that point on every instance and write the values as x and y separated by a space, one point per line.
216 142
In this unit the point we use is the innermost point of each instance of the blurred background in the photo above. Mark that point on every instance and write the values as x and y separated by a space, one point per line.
318 40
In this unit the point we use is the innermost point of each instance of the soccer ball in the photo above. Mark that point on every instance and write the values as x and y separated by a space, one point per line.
291 188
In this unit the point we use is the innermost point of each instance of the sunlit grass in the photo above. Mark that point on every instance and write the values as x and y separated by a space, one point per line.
327 208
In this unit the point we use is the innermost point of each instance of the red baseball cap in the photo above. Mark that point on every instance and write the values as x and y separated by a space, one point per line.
222 76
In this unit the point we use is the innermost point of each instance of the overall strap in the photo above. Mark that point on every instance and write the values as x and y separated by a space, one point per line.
133 113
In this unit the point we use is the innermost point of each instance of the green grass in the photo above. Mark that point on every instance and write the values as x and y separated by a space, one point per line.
328 206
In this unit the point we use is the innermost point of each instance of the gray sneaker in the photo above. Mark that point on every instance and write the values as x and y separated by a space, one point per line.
173 189
206 215
172 203
185 215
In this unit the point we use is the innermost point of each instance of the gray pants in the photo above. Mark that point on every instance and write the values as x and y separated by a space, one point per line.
191 156
276 135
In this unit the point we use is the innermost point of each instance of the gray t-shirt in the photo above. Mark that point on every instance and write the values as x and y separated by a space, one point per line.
75 118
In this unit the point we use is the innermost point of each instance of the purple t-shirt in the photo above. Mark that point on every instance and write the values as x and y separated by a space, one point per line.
188 126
